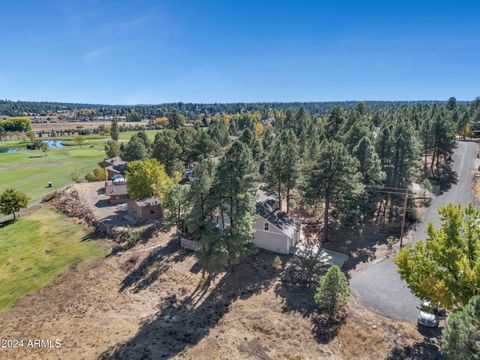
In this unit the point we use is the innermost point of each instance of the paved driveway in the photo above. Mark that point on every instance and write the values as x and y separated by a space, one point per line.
379 287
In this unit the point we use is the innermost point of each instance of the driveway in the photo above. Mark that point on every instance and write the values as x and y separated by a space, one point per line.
379 287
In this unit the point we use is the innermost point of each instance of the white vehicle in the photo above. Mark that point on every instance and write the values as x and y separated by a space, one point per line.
122 207
429 315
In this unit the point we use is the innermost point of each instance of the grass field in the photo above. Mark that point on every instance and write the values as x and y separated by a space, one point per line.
30 171
35 249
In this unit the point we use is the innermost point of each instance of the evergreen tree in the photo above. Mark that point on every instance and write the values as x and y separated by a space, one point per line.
212 255
200 197
184 138
135 149
168 152
335 123
177 205
176 120
112 148
333 291
451 104
331 176
203 146
114 131
461 336
371 171
283 166
235 189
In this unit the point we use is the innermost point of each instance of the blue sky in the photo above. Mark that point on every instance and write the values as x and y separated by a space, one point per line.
132 52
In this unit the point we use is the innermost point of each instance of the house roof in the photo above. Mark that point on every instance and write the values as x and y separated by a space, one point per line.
148 202
111 189
266 207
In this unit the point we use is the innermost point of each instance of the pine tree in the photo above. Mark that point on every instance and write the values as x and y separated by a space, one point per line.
461 336
235 188
371 171
283 166
168 152
199 196
333 291
335 123
332 176
135 149
212 255
177 205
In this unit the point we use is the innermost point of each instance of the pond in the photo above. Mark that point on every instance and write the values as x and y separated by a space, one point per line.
53 144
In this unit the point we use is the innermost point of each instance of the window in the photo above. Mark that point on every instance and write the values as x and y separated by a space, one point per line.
266 226
152 212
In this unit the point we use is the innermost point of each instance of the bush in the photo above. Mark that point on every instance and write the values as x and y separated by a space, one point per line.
100 174
91 177
76 176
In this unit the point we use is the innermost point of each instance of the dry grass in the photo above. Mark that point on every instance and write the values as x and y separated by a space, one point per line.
145 304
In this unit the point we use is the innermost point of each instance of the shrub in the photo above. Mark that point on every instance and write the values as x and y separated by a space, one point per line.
91 177
76 176
277 263
100 174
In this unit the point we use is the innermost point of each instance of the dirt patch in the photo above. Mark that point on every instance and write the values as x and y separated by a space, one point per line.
145 303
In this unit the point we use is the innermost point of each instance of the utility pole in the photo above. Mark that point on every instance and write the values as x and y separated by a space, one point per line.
403 218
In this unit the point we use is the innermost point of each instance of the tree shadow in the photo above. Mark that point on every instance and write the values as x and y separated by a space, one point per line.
7 222
425 350
157 262
326 329
183 321
447 178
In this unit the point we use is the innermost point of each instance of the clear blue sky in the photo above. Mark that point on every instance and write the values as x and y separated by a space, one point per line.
131 52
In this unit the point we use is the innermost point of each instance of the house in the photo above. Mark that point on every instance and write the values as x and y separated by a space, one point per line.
114 166
117 193
146 209
273 229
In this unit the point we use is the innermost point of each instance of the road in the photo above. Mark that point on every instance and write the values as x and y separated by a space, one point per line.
379 287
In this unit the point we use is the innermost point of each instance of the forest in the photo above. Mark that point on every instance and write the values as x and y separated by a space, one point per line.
345 167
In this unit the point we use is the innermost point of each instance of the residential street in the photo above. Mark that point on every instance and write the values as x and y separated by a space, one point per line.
379 287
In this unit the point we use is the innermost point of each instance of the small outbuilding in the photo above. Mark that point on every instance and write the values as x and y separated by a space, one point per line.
117 193
146 209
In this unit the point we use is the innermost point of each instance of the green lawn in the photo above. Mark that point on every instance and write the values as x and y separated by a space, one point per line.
35 249
30 171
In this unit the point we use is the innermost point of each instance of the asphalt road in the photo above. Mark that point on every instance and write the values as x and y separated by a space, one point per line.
379 287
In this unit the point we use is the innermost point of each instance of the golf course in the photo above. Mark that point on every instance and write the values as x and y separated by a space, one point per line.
30 171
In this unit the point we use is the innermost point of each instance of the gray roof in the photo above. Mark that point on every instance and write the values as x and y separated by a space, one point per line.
266 207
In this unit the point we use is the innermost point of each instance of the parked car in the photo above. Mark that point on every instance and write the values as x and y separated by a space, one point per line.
118 179
122 207
429 315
